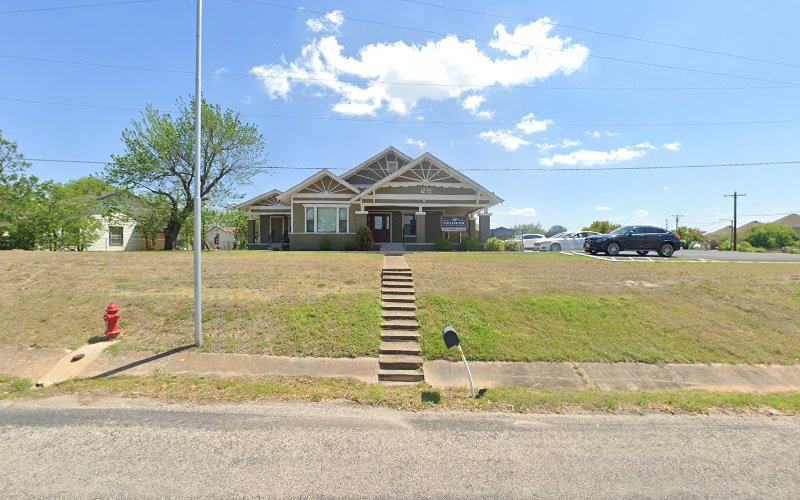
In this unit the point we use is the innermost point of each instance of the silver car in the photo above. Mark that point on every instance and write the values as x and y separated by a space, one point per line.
563 242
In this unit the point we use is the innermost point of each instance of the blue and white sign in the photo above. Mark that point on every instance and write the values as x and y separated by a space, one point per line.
457 224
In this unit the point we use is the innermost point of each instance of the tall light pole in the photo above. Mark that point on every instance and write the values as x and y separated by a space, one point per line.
198 160
735 197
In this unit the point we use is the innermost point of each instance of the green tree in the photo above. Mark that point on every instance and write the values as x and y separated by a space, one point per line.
771 236
159 159
690 236
555 230
533 228
601 226
16 200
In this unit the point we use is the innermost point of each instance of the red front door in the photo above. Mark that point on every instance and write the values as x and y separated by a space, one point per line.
379 224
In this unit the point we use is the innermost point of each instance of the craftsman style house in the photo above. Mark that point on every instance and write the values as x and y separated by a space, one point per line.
407 204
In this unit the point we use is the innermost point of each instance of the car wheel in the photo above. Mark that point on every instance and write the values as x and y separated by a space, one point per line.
642 252
612 248
555 247
666 250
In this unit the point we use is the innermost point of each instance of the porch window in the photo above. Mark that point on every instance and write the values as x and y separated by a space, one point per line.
342 220
115 236
409 225
309 219
326 220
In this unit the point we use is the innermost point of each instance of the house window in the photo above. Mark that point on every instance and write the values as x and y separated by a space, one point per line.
391 166
409 225
216 239
326 219
115 236
342 219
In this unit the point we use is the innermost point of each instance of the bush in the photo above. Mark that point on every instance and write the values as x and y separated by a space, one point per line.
325 245
444 245
349 246
724 245
364 240
470 244
512 246
494 245
771 236
743 246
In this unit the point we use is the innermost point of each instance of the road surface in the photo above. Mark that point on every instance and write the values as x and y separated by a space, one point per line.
704 255
136 448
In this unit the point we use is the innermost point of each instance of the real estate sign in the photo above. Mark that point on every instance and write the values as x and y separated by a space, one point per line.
454 224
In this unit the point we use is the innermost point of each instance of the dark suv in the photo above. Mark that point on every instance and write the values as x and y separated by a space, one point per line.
642 239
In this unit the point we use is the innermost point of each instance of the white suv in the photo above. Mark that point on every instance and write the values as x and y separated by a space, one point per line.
528 239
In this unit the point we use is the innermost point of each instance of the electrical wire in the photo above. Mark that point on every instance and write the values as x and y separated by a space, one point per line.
79 6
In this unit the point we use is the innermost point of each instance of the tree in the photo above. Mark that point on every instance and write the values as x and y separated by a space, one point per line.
15 188
690 236
601 226
555 230
159 159
535 228
771 236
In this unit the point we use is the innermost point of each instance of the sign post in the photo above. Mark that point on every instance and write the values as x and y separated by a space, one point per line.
451 340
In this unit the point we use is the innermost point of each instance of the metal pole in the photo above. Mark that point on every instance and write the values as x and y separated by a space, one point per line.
469 373
735 197
198 226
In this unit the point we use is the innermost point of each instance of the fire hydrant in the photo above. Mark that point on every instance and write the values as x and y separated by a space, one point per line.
112 321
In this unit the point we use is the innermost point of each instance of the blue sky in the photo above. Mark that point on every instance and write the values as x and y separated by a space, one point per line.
503 103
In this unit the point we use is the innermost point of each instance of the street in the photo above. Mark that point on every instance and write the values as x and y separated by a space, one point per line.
139 448
700 255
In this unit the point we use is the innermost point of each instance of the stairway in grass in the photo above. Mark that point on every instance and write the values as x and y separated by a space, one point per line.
400 358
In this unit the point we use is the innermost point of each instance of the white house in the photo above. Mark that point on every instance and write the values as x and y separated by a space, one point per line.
221 238
117 235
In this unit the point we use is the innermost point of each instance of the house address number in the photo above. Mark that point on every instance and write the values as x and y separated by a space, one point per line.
426 190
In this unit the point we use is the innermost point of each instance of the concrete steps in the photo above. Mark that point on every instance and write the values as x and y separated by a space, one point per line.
399 358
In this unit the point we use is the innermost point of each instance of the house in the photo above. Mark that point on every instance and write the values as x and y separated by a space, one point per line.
791 220
115 235
221 238
407 203
503 233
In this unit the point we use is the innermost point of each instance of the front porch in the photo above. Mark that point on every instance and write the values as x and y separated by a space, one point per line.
267 231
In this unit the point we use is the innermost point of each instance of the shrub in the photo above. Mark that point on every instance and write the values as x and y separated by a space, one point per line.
325 245
512 246
470 244
444 245
724 245
350 246
494 245
771 236
364 240
743 246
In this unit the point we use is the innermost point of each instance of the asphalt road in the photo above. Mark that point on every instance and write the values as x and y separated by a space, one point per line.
705 255
135 448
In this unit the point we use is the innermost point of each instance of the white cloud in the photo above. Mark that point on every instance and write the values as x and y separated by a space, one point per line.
220 71
455 66
416 143
530 125
545 147
504 138
672 146
564 144
247 99
641 213
568 143
604 209
585 157
645 145
330 22
473 103
598 134
524 212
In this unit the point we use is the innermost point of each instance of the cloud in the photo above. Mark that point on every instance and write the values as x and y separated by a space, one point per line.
604 209
585 157
530 125
247 99
641 213
220 71
645 145
416 143
504 138
473 103
524 212
545 147
568 143
598 134
329 23
442 69
672 146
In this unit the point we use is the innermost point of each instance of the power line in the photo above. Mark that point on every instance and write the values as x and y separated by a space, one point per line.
388 82
484 169
80 6
304 10
422 122
606 33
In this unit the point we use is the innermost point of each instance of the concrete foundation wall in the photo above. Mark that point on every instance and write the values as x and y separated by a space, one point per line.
311 241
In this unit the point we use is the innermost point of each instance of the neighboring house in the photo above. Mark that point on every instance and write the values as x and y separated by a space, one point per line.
221 238
116 235
791 220
406 203
503 233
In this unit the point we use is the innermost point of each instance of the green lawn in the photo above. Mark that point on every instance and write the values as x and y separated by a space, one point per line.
557 307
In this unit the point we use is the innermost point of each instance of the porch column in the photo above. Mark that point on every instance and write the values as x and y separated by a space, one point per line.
485 227
420 216
251 230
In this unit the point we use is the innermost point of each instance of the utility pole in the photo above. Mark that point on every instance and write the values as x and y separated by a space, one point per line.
677 220
198 226
666 224
735 197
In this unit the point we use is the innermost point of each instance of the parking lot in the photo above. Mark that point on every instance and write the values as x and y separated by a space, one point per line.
700 256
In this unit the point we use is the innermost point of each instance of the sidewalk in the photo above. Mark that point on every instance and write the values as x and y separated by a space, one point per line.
35 363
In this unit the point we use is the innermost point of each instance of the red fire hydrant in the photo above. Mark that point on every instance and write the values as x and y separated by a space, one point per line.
112 321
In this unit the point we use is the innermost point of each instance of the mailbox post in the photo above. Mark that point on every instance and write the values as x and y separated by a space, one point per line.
451 340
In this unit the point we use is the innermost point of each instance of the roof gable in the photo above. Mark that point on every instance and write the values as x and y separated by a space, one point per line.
377 167
323 184
267 199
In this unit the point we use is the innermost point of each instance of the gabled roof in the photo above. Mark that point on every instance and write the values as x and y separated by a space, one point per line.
791 220
390 149
439 163
314 178
258 198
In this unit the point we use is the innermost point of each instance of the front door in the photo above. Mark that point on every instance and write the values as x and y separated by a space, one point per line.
277 228
379 224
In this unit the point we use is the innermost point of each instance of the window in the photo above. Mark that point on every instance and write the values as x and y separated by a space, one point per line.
409 225
326 219
342 219
391 166
115 236
216 239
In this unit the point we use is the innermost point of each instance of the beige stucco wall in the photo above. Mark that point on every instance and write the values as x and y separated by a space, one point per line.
311 241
